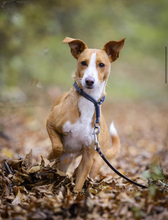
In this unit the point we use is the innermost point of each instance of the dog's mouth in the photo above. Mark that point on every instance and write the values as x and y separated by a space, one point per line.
89 87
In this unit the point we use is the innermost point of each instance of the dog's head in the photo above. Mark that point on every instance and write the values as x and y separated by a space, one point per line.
93 65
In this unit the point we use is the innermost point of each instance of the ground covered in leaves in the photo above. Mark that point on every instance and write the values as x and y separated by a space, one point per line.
32 188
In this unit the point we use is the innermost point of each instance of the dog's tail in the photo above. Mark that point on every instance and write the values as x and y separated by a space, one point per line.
114 150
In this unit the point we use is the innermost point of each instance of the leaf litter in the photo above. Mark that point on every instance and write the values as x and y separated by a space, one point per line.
31 188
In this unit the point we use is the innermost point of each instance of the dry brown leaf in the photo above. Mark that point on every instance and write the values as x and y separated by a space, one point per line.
15 164
35 169
17 199
28 160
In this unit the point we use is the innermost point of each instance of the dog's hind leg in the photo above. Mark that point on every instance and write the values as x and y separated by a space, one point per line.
97 163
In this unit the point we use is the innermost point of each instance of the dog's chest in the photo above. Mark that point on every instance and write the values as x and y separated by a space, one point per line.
79 134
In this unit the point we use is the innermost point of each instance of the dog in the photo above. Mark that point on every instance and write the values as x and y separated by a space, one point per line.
70 124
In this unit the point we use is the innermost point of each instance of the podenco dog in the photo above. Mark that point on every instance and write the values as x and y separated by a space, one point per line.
71 121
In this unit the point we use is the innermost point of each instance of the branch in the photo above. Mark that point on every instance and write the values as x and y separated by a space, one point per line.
9 2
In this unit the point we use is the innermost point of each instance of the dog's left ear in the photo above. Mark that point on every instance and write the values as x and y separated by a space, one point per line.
113 48
76 46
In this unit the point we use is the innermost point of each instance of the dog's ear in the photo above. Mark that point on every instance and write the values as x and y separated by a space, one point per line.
76 46
113 48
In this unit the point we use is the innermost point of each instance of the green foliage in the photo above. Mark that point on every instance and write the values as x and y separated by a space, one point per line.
155 173
138 213
32 32
154 176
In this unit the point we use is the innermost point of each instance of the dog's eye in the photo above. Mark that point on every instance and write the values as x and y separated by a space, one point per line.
101 65
83 63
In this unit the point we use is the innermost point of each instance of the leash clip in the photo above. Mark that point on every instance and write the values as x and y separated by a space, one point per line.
96 128
95 133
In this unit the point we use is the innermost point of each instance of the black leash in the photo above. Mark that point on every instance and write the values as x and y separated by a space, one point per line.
97 130
116 171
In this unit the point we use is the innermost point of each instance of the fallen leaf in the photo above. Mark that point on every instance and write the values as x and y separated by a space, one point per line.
35 169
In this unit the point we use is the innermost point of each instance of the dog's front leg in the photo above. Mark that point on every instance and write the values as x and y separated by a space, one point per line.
57 147
84 168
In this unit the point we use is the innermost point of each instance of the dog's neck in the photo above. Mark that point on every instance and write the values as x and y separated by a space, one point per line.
97 92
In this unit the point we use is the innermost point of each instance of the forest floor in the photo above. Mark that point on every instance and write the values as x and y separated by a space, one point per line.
31 188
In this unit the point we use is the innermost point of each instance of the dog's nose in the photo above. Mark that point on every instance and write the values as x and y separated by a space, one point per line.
89 81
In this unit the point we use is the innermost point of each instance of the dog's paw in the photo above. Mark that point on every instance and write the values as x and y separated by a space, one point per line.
75 194
77 190
51 160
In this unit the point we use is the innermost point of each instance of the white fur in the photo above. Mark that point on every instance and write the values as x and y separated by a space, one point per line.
113 130
91 71
79 134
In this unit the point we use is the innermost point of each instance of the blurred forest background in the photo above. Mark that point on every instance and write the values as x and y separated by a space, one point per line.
36 68
34 60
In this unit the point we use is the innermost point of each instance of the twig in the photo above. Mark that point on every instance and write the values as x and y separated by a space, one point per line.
164 184
8 168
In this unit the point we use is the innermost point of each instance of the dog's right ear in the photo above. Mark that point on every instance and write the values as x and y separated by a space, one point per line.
76 46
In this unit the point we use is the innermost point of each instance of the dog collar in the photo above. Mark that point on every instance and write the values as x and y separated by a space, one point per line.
90 98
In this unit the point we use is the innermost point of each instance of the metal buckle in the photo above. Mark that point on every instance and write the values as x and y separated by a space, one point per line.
97 128
95 133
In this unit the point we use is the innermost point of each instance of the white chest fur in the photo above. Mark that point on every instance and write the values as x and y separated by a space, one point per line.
79 134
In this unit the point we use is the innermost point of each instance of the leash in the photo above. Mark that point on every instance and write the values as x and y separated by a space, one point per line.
97 131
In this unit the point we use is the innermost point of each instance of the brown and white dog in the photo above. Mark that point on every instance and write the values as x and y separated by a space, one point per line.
71 121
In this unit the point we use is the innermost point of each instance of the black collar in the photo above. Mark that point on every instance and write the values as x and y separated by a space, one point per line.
90 98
